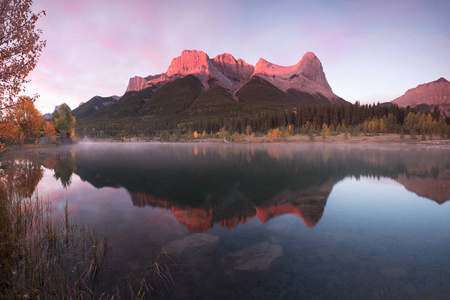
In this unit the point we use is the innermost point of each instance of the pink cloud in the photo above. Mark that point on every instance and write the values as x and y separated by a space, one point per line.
94 47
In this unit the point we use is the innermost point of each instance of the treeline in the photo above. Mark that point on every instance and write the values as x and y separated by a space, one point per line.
353 119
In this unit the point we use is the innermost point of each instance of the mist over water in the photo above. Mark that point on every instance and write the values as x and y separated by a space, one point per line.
260 221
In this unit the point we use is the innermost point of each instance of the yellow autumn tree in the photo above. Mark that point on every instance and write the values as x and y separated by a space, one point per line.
274 134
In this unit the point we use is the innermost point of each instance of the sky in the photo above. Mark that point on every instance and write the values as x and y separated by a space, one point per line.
371 50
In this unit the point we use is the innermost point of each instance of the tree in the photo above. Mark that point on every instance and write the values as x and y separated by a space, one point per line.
27 118
49 131
325 131
9 131
390 122
274 134
64 121
20 47
21 123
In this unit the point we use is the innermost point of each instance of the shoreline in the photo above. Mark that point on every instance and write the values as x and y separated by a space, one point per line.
386 139
380 140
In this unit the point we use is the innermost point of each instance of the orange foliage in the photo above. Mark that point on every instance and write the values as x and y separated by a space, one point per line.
21 122
20 47
9 131
49 131
28 118
274 134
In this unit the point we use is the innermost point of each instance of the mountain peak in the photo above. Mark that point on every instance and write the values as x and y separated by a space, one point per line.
309 54
227 57
238 71
190 62
442 79
435 93
307 75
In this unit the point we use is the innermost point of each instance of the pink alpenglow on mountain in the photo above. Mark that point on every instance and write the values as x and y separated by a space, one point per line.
435 93
228 71
306 76
236 70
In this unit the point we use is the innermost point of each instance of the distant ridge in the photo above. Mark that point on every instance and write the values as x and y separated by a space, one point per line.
428 96
87 109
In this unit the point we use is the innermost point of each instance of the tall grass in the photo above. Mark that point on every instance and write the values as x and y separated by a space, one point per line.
44 256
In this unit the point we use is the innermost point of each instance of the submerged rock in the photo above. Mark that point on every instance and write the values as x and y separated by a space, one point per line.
256 258
194 241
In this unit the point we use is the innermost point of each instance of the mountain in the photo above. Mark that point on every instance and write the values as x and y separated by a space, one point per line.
427 96
93 105
306 76
229 72
199 93
47 117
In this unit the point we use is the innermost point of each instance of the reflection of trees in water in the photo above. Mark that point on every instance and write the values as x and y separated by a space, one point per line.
28 164
161 168
240 180
62 162
21 175
193 174
63 172
186 174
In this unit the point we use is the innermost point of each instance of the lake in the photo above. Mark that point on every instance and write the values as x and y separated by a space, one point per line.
259 221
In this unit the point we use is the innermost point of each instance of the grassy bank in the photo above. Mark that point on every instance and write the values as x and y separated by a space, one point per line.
44 255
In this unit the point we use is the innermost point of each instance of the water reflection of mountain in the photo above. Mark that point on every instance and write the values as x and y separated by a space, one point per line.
436 188
227 185
234 208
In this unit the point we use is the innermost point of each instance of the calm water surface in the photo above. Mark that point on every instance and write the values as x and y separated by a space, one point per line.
261 221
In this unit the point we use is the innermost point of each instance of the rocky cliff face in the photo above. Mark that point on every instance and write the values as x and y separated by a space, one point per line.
436 93
306 76
229 72
235 70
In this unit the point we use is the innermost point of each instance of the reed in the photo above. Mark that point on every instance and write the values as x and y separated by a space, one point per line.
45 255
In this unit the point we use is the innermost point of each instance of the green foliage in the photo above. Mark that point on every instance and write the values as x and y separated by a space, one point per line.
63 118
